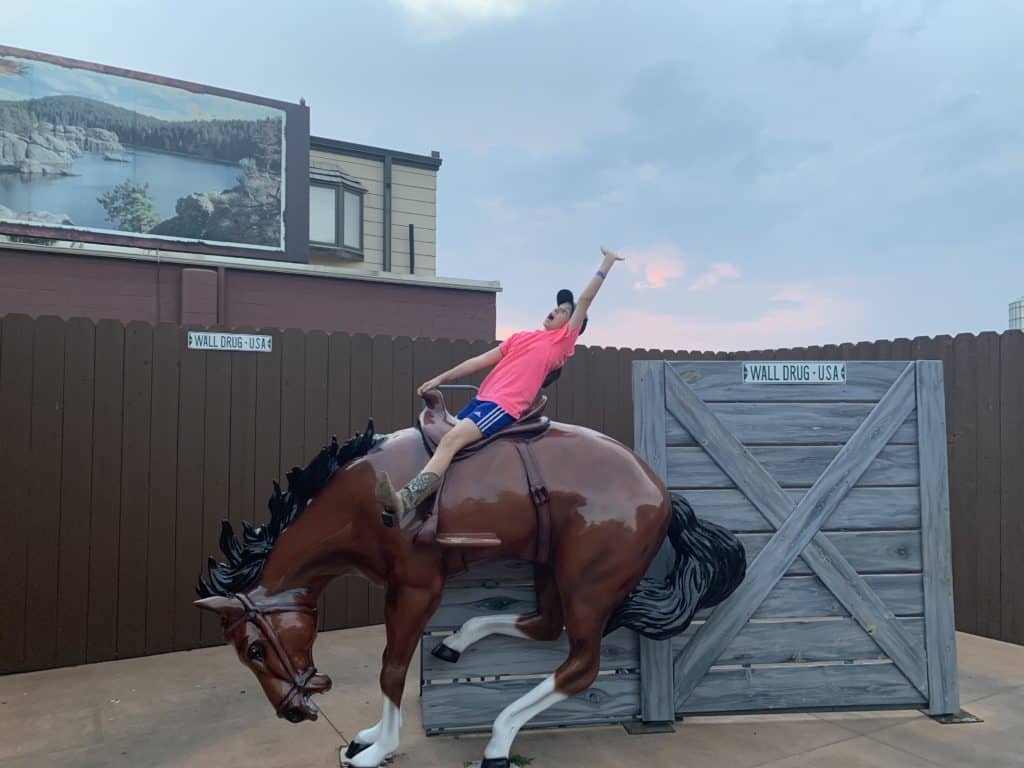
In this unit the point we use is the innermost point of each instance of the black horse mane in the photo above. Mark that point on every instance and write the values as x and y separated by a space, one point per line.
245 559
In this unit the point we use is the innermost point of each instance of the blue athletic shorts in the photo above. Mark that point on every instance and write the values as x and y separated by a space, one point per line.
488 417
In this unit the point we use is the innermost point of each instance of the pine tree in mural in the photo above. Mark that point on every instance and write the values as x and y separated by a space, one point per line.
129 207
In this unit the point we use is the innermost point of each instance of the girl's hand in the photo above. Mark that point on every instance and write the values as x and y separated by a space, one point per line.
426 386
611 256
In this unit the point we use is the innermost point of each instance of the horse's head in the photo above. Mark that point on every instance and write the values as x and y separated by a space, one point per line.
273 627
273 636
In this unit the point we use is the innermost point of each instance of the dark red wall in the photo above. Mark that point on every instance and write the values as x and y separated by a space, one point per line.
81 286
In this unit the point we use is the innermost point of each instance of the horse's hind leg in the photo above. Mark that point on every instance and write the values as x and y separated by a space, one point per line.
543 624
576 674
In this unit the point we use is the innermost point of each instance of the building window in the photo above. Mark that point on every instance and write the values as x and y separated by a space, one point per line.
336 217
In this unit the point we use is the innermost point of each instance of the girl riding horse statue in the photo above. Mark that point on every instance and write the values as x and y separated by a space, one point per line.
584 508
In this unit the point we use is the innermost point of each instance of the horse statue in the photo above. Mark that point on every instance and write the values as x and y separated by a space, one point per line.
585 509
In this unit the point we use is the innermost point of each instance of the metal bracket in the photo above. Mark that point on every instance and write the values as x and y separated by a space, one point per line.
642 728
963 716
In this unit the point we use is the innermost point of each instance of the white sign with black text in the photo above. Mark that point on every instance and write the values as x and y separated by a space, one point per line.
794 372
230 342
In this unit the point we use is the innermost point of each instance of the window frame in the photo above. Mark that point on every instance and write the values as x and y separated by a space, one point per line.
338 247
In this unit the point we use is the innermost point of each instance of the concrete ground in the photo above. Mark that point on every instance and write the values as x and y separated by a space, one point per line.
202 709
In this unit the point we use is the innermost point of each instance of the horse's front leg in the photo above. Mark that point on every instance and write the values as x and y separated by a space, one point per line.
407 611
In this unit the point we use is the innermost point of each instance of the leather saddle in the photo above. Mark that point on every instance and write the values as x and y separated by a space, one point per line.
435 421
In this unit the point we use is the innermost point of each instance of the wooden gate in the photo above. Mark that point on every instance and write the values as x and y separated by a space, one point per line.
838 491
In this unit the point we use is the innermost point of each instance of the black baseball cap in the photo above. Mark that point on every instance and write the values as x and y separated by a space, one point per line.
565 297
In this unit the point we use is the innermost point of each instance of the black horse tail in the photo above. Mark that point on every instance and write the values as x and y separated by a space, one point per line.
709 564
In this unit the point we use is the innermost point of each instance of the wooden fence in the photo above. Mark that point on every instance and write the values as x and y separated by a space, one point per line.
121 451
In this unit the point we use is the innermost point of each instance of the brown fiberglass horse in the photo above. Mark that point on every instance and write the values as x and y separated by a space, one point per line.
584 508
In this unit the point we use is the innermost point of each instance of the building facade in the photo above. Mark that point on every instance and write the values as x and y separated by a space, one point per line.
316 233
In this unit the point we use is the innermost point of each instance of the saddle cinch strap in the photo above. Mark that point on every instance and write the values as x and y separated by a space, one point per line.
435 421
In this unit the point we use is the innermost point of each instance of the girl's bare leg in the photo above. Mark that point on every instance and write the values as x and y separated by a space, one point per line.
398 504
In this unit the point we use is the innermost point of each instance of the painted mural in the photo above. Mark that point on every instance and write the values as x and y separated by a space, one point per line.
100 152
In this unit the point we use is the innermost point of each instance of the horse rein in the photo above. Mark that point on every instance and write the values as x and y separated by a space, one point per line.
257 616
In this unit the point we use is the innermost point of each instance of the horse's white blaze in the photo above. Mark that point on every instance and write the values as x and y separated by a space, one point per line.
384 738
519 713
479 627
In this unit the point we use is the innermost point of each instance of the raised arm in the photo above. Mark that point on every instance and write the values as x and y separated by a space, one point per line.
590 292
465 368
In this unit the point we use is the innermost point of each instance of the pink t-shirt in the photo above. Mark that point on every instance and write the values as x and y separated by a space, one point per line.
527 358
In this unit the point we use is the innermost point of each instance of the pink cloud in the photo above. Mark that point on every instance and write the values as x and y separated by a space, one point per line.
716 273
657 264
503 331
793 315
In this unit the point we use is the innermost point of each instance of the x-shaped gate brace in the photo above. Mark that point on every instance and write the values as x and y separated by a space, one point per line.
798 533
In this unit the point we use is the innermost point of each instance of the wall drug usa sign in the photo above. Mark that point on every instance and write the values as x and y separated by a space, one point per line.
794 372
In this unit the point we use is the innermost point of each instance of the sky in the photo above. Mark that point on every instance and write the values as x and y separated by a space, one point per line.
776 173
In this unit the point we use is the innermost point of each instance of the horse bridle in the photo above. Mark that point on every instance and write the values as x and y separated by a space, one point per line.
297 679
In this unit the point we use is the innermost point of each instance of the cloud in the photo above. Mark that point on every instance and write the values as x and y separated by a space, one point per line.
468 10
716 273
793 315
504 331
658 264
827 34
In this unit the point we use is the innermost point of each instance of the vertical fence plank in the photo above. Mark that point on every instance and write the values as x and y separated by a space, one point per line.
106 491
1012 486
44 493
987 518
963 481
457 399
15 411
75 491
900 349
423 357
293 400
267 456
580 363
339 363
131 570
381 386
597 381
315 421
614 399
216 448
357 606
865 350
884 350
623 407
163 488
431 357
189 557
382 407
402 383
315 417
242 463
477 348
